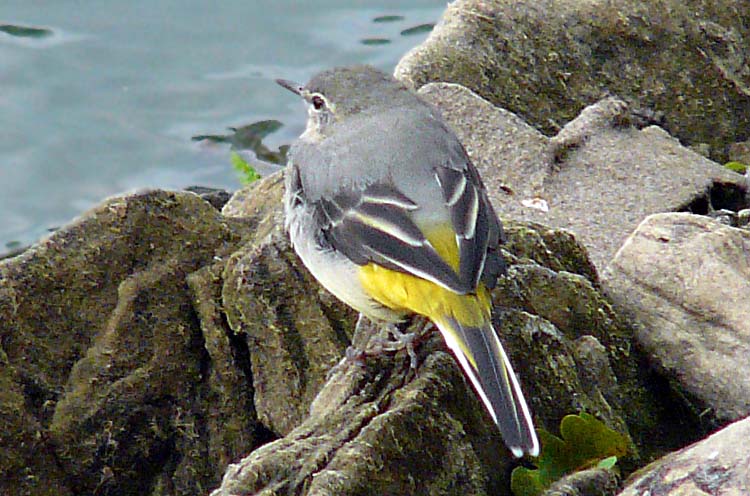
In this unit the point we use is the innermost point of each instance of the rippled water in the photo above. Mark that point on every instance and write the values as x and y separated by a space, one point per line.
108 98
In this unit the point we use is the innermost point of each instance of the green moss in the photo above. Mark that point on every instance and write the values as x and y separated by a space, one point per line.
737 167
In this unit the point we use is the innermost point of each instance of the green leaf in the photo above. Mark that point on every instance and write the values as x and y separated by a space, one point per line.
737 167
607 463
247 173
584 442
527 482
590 440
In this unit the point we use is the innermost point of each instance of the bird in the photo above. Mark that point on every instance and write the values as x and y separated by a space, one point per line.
386 210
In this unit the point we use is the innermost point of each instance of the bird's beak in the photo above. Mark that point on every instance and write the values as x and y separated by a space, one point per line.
295 88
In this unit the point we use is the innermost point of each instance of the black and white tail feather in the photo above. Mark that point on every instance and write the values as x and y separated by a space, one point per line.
484 361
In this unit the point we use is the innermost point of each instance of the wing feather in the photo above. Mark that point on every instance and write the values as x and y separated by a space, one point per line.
474 221
376 224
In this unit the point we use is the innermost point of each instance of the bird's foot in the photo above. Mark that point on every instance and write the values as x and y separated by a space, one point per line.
400 340
394 341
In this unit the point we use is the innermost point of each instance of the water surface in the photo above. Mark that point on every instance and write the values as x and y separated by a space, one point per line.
107 100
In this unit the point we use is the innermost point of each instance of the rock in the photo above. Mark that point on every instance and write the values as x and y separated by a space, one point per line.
743 218
27 464
599 177
589 482
104 359
571 346
375 429
685 279
216 197
547 60
718 465
740 152
15 251
295 330
243 204
232 427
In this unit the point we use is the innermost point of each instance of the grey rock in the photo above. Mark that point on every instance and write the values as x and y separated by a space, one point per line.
740 152
599 177
743 217
730 217
295 330
717 465
216 197
375 429
685 279
231 428
546 60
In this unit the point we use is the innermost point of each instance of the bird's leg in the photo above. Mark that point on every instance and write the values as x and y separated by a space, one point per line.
352 353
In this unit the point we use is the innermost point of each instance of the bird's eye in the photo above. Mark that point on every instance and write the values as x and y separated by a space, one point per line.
318 102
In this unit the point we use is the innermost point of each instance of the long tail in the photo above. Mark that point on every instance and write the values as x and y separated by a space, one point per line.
481 355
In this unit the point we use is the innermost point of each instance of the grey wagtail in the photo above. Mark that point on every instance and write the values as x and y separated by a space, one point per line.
388 213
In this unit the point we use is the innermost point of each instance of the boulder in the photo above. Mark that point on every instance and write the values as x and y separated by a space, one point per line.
107 377
717 465
685 279
545 61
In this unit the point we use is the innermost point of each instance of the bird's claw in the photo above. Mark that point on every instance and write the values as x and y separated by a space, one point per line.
400 341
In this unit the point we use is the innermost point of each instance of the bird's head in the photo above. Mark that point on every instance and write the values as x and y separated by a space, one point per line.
335 95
